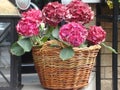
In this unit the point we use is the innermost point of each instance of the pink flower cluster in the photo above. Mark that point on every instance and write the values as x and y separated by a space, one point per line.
75 11
96 35
73 33
53 13
75 15
78 11
27 27
34 15
29 23
76 34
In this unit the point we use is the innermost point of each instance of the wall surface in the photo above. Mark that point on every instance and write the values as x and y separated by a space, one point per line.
106 56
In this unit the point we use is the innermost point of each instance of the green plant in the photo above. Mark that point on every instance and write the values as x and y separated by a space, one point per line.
110 3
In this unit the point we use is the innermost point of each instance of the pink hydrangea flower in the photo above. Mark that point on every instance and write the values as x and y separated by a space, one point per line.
96 35
33 14
27 27
53 13
77 11
73 33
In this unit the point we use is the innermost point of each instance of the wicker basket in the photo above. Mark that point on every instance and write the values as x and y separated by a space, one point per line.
69 74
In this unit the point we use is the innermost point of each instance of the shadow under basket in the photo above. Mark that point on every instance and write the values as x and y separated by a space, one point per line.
55 73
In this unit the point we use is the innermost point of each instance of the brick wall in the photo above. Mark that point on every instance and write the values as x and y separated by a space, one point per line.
106 56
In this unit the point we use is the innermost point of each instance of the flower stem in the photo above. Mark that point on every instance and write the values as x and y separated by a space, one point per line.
110 48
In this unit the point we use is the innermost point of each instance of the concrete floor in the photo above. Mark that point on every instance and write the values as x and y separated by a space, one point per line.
31 82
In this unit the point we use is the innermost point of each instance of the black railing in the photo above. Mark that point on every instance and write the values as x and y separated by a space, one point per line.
114 18
15 78
115 45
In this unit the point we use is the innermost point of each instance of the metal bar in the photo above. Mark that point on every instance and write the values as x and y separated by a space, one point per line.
5 27
115 46
15 65
98 61
13 69
28 68
98 72
5 77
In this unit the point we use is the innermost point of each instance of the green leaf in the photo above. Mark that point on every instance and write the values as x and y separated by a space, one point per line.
25 44
55 33
84 45
16 50
110 48
66 53
44 39
54 45
49 31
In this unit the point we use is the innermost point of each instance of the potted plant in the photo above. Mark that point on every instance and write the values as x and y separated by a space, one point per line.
63 49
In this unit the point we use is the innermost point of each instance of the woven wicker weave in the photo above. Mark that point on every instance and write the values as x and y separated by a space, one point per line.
69 74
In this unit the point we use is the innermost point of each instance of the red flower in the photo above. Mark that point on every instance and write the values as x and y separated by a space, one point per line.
27 27
77 11
53 13
73 33
96 35
33 14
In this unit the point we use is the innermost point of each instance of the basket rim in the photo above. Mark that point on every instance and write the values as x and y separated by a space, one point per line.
60 44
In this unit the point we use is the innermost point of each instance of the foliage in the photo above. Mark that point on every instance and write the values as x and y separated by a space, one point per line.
110 3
